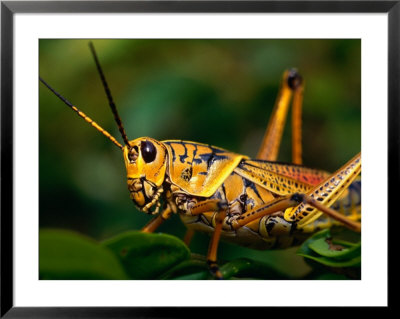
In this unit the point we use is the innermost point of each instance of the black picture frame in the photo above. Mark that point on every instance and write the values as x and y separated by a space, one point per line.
9 8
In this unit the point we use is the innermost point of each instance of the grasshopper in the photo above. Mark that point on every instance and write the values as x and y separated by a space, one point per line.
257 203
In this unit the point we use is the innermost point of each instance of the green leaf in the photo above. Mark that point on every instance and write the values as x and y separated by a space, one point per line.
187 267
147 256
197 269
68 255
349 250
317 249
248 268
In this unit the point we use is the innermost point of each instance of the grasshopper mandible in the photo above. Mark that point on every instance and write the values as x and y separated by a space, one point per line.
258 203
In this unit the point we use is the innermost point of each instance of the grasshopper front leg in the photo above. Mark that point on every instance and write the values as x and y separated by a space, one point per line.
157 221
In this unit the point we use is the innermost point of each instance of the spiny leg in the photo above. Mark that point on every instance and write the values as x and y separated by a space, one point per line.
221 209
274 206
289 201
353 225
325 194
157 221
291 82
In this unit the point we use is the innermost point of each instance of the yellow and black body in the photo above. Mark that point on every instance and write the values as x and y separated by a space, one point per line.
182 174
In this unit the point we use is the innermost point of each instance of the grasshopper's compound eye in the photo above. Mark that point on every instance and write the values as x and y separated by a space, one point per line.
148 151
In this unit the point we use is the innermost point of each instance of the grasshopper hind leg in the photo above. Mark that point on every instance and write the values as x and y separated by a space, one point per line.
318 200
292 85
304 208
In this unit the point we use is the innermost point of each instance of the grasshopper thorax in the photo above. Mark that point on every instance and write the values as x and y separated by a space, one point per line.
146 163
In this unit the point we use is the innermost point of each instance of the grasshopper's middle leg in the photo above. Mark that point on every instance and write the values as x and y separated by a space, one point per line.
221 207
292 82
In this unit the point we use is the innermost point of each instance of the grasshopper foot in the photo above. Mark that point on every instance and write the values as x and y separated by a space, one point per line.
214 269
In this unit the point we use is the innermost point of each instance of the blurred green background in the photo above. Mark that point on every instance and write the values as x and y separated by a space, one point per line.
219 92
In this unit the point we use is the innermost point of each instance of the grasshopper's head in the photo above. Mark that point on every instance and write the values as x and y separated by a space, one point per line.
145 158
146 163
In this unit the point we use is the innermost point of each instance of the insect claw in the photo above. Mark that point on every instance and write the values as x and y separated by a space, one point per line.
214 270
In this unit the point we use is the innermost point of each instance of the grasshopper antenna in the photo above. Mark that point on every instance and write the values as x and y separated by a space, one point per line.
109 97
82 115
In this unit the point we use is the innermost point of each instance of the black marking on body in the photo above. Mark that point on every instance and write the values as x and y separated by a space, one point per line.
187 174
219 195
203 219
297 197
223 189
212 157
197 160
173 153
251 185
270 225
185 155
209 158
